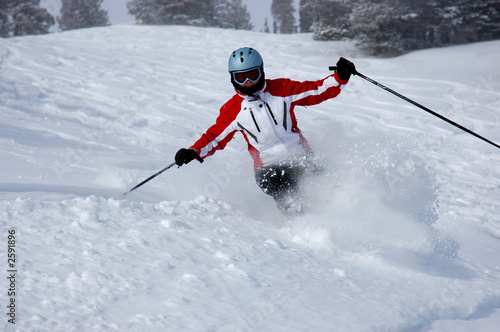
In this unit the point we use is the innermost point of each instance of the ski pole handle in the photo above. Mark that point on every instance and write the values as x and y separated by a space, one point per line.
335 68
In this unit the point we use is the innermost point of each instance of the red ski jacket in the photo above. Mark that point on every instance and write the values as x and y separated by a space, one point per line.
268 121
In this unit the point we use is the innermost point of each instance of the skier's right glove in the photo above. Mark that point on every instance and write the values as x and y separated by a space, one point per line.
345 69
184 156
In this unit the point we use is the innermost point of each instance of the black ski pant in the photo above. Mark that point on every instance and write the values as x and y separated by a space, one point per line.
281 183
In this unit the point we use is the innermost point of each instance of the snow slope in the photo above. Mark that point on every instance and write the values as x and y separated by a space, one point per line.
404 234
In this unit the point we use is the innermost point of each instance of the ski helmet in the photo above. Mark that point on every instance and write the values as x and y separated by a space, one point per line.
244 59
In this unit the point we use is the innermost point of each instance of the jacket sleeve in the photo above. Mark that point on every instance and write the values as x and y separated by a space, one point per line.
312 92
219 134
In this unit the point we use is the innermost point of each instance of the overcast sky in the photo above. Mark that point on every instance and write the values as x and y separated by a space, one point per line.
118 13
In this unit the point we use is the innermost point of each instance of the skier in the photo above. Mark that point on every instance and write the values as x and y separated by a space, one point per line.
263 111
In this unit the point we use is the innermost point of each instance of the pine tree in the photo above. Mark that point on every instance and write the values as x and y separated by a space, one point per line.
474 20
5 27
146 11
266 26
305 16
78 14
23 17
379 33
330 18
189 12
391 27
283 14
232 14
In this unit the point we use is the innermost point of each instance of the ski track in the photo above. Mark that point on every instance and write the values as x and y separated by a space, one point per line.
404 229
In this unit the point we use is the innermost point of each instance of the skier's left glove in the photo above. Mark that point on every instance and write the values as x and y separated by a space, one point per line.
184 156
345 69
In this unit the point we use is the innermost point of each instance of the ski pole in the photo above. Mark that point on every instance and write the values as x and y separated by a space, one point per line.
422 107
156 174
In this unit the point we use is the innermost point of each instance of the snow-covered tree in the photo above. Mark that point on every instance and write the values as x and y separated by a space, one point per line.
468 21
77 14
395 26
379 33
190 12
305 16
146 11
232 14
4 20
266 26
23 17
283 14
218 13
329 18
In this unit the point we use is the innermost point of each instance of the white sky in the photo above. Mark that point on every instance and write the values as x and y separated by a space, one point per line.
118 13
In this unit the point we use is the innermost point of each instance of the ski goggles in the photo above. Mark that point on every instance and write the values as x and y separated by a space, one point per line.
252 75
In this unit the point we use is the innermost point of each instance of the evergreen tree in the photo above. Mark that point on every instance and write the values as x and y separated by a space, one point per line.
330 18
232 14
23 17
379 33
282 11
146 11
5 25
473 20
78 14
189 12
266 26
392 27
305 16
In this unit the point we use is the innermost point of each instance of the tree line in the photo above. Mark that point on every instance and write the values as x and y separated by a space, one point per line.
380 27
209 13
391 27
26 17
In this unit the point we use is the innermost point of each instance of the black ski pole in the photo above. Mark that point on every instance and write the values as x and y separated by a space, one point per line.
156 174
150 178
422 107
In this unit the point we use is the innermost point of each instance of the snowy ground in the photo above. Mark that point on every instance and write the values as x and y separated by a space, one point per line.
405 231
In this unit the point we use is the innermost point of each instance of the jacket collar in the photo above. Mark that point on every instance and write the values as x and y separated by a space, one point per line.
253 97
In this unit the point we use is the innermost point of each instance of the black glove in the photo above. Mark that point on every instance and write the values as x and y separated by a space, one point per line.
184 156
345 69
